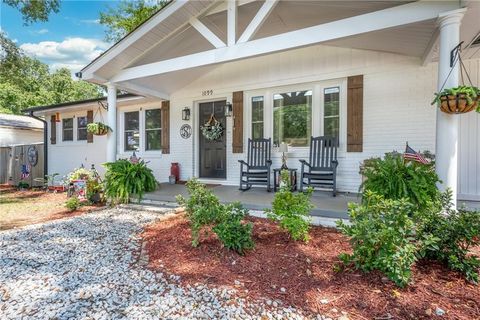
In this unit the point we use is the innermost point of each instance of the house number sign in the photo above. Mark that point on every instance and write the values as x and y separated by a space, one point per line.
185 131
207 93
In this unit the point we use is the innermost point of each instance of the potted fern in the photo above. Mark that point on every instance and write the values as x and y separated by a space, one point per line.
461 99
98 128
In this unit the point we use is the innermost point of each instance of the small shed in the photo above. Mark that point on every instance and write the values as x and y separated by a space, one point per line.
16 129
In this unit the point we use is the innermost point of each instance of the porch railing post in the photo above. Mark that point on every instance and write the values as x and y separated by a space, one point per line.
447 126
112 123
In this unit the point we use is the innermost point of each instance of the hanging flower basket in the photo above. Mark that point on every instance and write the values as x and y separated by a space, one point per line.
98 128
213 129
458 100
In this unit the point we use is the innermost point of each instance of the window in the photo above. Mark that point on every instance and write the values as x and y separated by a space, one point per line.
292 118
67 129
331 117
257 117
153 129
132 131
82 128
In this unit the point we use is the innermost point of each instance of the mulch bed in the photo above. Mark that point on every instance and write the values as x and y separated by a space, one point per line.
307 272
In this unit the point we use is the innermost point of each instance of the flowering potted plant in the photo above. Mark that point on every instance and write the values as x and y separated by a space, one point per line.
98 128
461 99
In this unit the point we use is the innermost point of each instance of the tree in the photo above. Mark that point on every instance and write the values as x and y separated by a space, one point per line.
128 15
34 10
27 82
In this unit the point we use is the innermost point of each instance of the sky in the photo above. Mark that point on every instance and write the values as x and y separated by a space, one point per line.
71 38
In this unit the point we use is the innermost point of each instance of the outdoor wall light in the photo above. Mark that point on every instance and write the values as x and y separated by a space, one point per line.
186 114
228 109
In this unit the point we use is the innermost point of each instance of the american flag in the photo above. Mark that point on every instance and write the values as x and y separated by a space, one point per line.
25 171
412 155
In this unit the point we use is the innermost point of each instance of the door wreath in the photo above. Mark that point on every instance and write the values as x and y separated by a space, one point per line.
212 129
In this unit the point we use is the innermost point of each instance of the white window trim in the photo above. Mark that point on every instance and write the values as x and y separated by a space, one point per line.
75 141
317 89
142 141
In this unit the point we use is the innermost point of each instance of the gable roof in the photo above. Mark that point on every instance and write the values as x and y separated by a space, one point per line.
162 24
19 122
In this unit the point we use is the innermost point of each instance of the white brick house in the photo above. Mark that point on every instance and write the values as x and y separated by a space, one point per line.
199 54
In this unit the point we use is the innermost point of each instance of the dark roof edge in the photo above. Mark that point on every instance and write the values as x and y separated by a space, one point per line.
73 103
125 36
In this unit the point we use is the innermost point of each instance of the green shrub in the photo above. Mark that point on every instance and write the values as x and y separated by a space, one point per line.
72 204
124 179
394 178
382 236
234 234
202 208
457 232
292 210
23 185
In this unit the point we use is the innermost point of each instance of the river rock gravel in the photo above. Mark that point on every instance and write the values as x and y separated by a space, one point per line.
88 267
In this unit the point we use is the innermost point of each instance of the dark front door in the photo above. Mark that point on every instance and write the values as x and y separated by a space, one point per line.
213 154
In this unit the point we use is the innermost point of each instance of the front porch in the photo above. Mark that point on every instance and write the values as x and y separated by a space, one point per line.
326 206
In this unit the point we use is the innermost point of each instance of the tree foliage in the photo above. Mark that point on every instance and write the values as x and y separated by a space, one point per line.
34 10
27 82
122 19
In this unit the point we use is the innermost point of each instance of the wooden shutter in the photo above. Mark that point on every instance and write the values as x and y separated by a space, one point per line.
355 114
237 141
89 120
165 112
53 129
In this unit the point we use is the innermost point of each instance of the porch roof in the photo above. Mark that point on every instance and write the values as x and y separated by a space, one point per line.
189 38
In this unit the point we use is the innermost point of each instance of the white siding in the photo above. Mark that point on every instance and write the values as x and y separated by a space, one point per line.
64 156
469 145
9 136
397 96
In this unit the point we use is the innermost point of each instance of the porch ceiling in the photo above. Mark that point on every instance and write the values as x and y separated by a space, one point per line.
179 38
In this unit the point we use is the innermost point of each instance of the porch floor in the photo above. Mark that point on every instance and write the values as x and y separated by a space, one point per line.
259 199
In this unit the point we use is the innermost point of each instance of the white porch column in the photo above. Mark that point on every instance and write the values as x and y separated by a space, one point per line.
446 148
112 122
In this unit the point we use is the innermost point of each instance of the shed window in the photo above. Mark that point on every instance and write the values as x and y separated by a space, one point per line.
82 128
292 118
153 129
67 129
132 131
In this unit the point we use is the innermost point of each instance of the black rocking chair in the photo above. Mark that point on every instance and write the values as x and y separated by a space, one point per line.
256 171
322 166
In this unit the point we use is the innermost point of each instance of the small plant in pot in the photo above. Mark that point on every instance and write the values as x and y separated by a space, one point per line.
98 128
461 99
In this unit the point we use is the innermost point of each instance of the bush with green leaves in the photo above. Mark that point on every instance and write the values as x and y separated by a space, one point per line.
72 203
382 236
292 210
232 232
203 210
395 178
124 179
457 232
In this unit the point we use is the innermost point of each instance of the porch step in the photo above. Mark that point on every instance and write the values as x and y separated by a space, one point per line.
320 213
